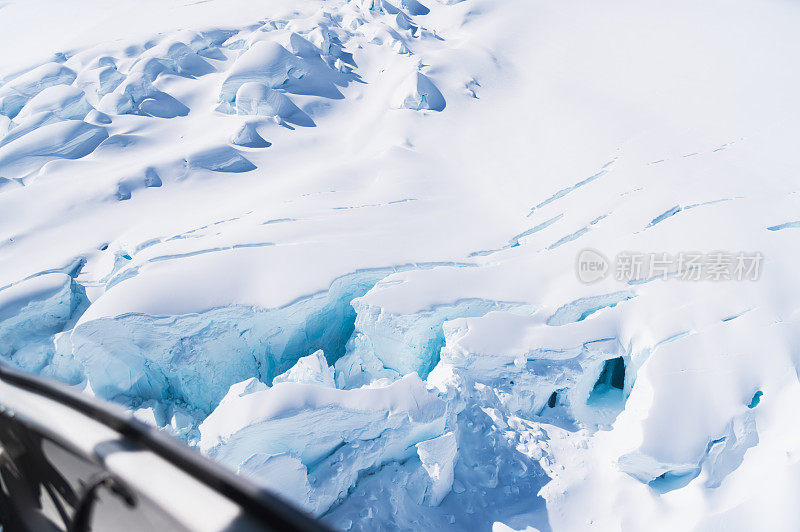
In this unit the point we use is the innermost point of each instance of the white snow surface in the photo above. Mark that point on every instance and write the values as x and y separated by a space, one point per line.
332 244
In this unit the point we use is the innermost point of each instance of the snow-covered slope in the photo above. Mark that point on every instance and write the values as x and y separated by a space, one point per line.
198 197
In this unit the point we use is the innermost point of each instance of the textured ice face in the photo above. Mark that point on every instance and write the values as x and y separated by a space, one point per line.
32 312
267 433
194 359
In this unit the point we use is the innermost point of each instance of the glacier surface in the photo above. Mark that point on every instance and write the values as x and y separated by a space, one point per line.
332 245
